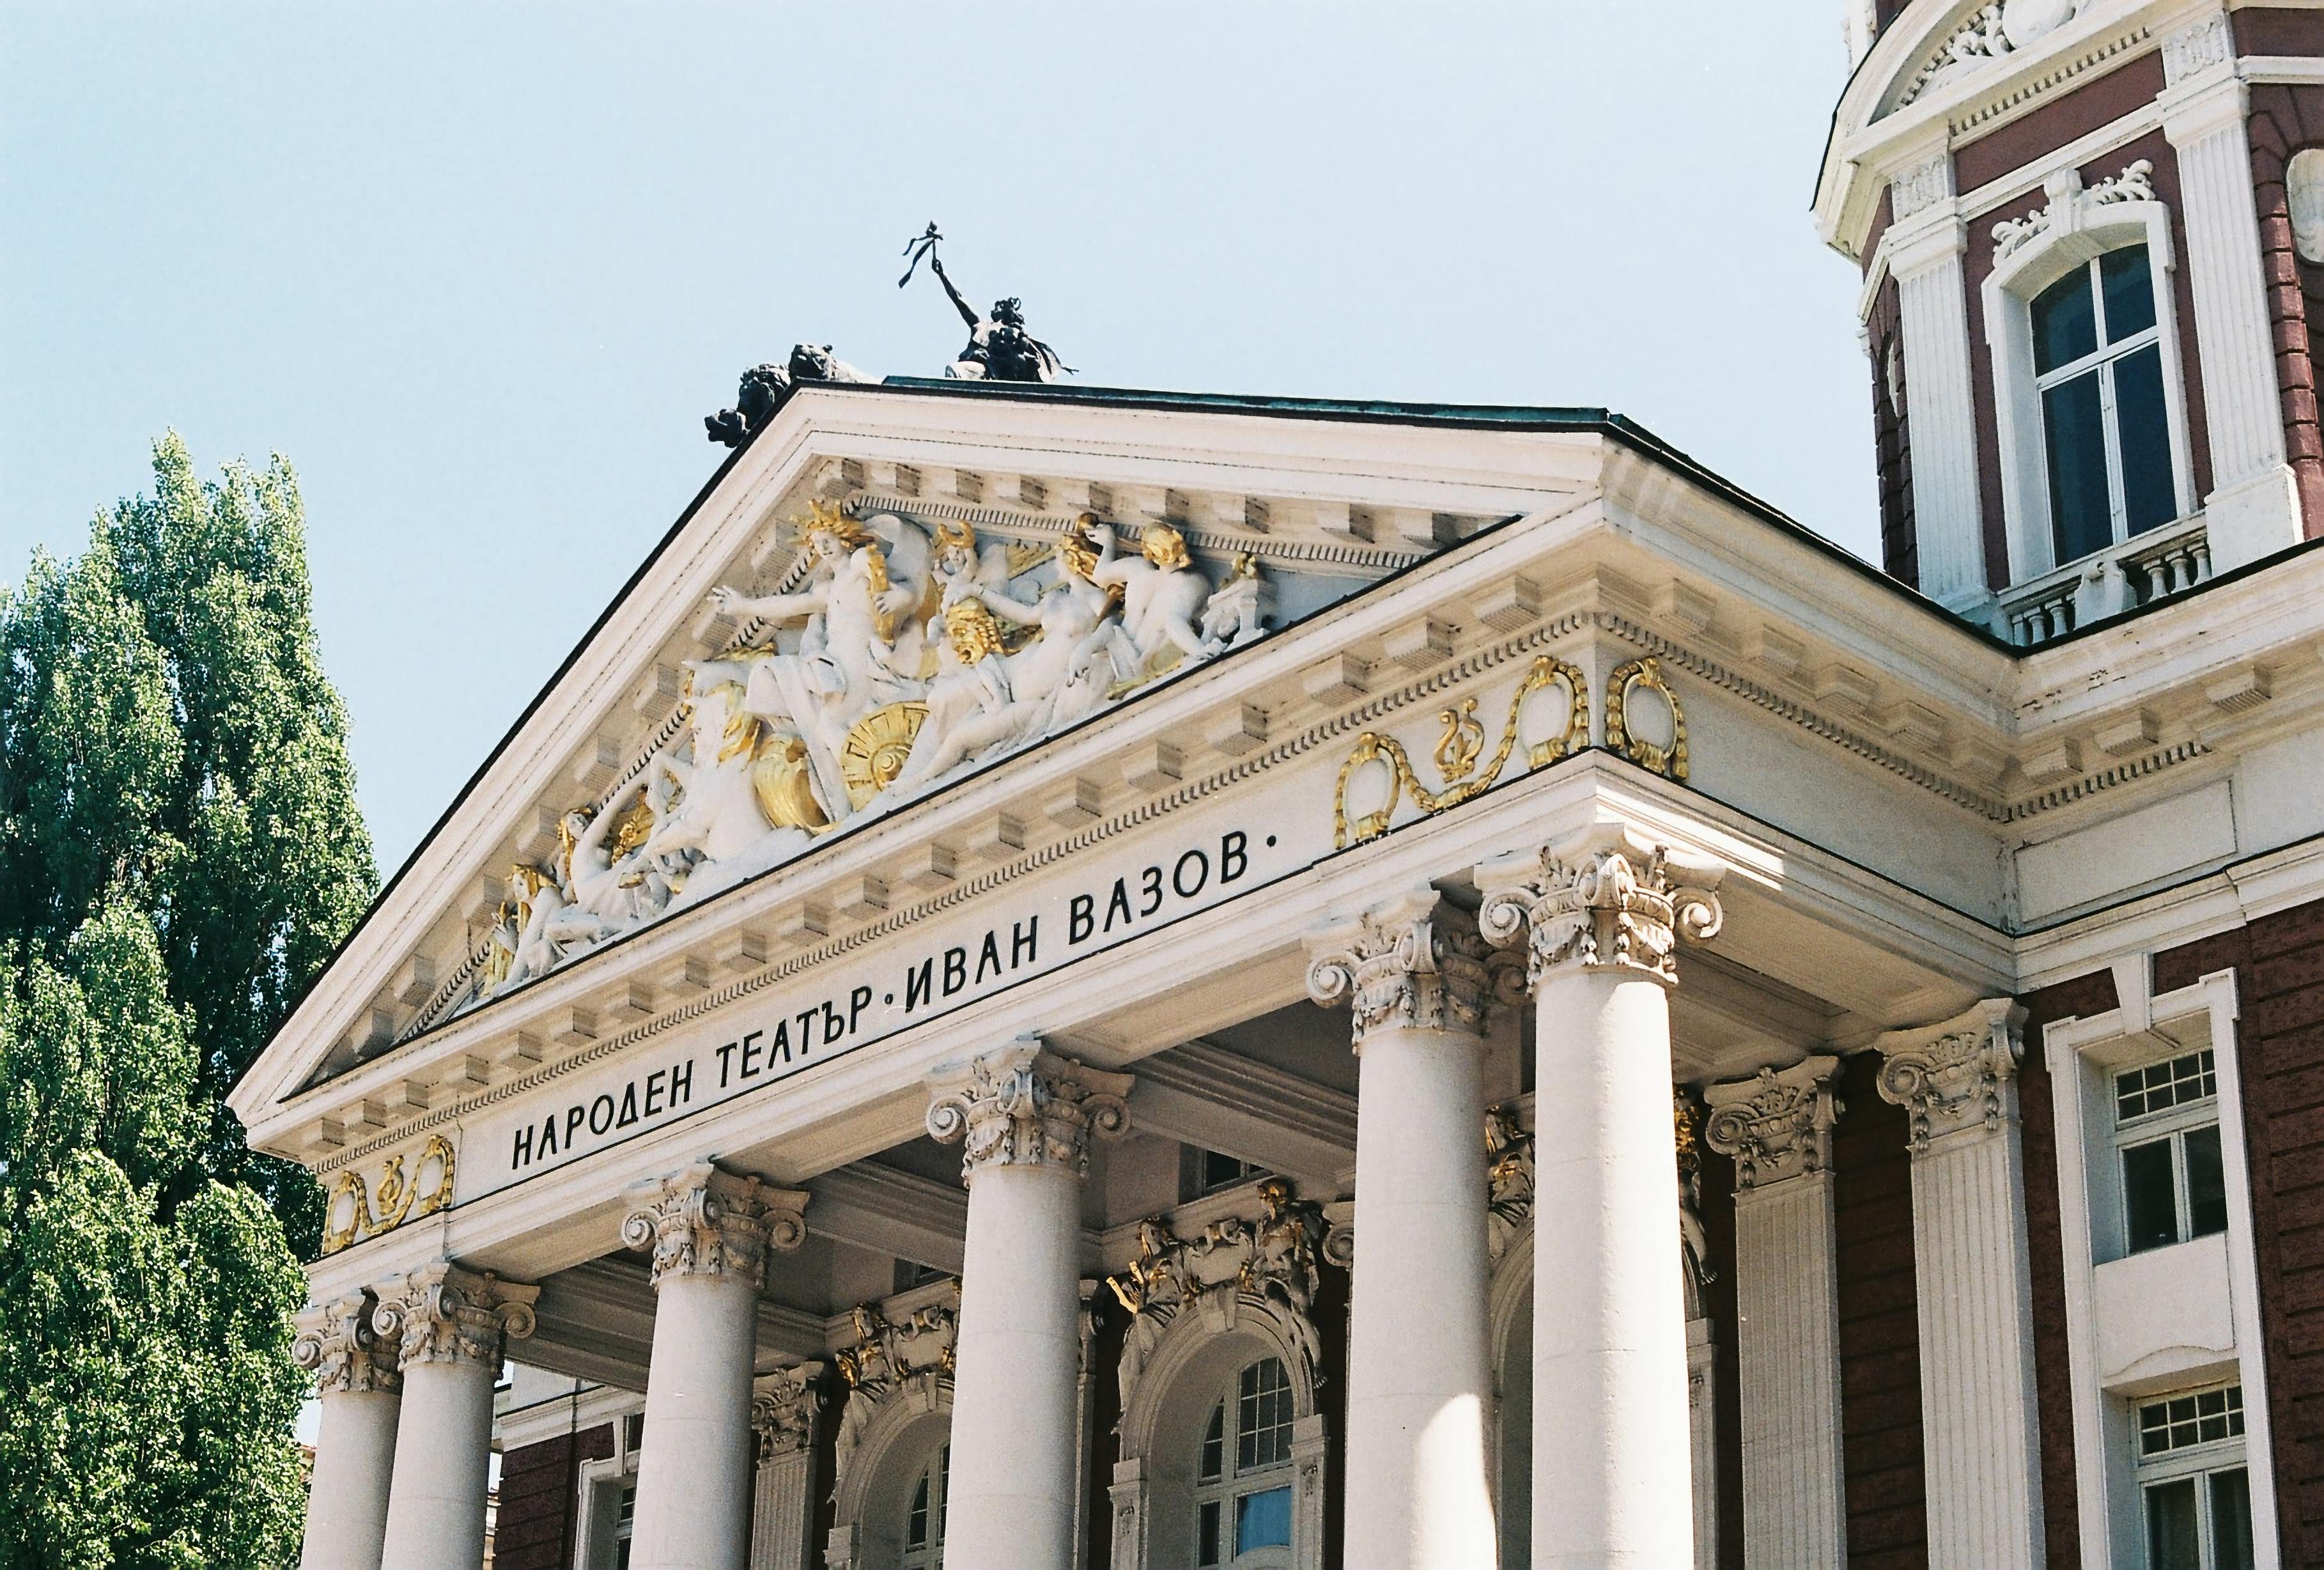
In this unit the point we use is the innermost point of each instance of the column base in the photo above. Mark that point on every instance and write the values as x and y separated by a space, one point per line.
2254 518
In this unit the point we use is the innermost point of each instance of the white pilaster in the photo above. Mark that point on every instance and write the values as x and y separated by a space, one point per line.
1026 1116
1979 1423
785 1412
1419 1372
360 1394
1600 914
2254 507
453 1327
1924 257
709 1232
1777 1127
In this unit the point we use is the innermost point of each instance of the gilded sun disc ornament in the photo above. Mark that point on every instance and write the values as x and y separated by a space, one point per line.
877 746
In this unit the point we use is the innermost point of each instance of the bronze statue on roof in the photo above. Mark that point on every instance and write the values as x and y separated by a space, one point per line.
999 348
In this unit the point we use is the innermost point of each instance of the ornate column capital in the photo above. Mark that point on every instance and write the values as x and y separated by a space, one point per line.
702 1221
444 1313
1412 962
784 1407
1024 1105
338 1345
1957 1076
1598 899
1778 1124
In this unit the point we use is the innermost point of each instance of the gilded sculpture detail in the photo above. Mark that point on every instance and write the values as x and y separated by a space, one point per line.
409 1186
895 658
1622 734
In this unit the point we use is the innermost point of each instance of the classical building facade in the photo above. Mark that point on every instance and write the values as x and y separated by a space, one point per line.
1087 978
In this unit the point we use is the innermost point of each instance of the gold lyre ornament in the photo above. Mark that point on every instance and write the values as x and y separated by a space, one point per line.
1456 755
1669 762
354 1212
877 747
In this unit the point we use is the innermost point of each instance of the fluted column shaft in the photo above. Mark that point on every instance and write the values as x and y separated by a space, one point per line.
1778 1129
1419 1375
1932 310
453 1325
1979 1423
1026 1116
360 1395
1598 914
709 1232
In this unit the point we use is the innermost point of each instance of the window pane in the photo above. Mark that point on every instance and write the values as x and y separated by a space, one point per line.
1214 1448
2065 323
1263 1521
2080 518
916 1530
1263 1416
2129 288
2143 430
2207 1183
1207 1538
2150 1198
2160 1086
2171 1542
2231 1523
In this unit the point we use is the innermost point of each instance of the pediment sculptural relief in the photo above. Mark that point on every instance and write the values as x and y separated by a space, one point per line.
894 658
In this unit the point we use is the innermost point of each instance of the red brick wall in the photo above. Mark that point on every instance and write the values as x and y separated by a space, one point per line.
2279 964
1717 1209
1900 547
534 1530
1879 1329
2052 1368
2277 29
2283 121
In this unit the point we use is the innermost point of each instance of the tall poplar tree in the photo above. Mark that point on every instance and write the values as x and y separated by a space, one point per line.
180 852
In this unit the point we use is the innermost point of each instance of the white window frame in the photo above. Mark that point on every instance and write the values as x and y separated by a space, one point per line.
935 1471
599 1485
1233 1483
2172 1124
2196 1461
2077 230
2083 1056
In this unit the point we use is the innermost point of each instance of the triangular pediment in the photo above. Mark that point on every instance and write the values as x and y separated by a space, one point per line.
888 592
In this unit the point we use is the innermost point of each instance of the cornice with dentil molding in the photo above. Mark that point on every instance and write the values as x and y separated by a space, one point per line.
702 1221
1412 962
1025 1105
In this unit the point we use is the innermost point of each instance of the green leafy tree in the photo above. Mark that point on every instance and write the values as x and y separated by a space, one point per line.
180 852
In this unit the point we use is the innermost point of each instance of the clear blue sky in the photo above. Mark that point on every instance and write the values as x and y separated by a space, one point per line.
480 268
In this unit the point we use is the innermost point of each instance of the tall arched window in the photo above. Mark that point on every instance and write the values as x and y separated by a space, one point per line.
1243 1476
2105 428
923 1522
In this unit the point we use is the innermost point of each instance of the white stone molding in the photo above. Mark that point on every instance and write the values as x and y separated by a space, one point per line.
1923 185
2186 1315
1024 1105
2252 510
1243 1288
1601 898
1939 400
703 1222
1777 1127
359 1391
2197 47
335 1343
2303 184
443 1313
1412 962
1989 34
786 1408
1958 1082
2074 225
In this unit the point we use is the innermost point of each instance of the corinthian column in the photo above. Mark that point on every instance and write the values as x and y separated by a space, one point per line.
782 1512
709 1232
1418 1372
359 1391
454 1325
1026 1116
1600 914
1777 1127
1958 1081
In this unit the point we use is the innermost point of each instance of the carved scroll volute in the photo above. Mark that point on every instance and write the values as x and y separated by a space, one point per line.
1026 1106
1778 1124
705 1222
1602 899
446 1314
1412 962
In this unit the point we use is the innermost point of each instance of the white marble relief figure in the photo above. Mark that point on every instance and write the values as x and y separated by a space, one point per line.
853 653
1162 596
984 693
743 797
